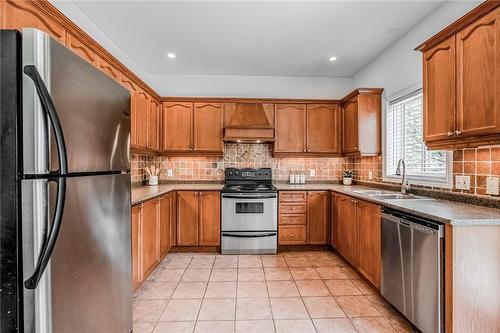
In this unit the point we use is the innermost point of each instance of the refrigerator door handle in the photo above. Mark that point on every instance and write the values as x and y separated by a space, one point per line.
50 109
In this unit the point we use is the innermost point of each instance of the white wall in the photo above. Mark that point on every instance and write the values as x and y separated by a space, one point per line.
399 66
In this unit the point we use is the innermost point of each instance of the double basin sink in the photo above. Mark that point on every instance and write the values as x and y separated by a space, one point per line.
388 195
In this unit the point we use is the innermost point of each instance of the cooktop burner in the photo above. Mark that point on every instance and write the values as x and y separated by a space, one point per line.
248 180
250 188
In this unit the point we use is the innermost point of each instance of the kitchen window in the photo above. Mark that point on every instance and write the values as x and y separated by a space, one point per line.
403 138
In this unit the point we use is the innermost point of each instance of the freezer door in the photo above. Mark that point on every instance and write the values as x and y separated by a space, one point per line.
94 111
87 284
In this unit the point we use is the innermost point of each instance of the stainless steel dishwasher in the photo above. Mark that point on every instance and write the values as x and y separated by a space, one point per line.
412 268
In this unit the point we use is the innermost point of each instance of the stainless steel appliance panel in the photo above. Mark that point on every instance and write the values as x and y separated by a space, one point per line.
249 211
94 111
249 242
87 285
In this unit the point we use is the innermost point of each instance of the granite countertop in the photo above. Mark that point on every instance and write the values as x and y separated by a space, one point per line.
145 192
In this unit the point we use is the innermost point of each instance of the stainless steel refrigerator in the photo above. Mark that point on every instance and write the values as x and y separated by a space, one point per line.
65 258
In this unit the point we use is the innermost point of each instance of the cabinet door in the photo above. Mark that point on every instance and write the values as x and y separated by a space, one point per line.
318 217
136 246
154 125
149 232
164 222
177 127
209 218
323 128
478 77
439 91
143 120
290 128
350 136
369 241
335 234
187 218
134 91
348 229
207 127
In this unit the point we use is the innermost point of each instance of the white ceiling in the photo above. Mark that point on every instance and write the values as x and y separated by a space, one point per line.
270 38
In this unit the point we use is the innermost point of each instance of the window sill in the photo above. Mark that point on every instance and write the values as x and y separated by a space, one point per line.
444 184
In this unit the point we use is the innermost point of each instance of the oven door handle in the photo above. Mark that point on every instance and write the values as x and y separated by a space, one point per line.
271 196
269 234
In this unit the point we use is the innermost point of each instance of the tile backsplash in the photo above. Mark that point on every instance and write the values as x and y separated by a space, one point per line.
237 155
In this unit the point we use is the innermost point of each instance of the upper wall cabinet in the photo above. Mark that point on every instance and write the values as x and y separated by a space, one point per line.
154 125
361 118
323 128
207 127
290 120
462 82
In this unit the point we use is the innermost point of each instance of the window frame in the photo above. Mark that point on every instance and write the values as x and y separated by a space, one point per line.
429 181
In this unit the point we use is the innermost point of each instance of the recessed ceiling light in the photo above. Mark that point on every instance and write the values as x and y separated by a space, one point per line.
332 59
171 55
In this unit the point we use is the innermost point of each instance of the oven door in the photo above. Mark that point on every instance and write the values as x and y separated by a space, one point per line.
249 211
253 242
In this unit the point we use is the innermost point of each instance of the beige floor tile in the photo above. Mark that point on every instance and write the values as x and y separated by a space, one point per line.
224 274
349 271
218 309
196 275
298 262
274 261
249 261
317 254
282 289
250 274
252 289
373 325
169 275
177 263
148 309
323 307
214 327
288 308
382 305
181 310
401 324
174 327
294 326
322 262
365 288
226 262
331 273
358 306
221 290
253 309
337 325
158 290
255 326
342 288
277 274
201 262
190 290
312 288
293 254
304 273
143 327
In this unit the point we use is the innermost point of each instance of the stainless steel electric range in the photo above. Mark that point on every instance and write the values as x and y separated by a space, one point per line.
249 212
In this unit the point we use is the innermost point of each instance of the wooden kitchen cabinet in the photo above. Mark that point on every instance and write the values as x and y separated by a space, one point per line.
142 120
347 214
154 125
187 218
318 217
290 129
74 43
150 211
369 242
361 122
134 91
166 218
177 127
323 128
135 241
207 127
335 229
209 219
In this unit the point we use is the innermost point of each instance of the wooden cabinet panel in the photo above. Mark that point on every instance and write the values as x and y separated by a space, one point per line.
350 126
318 217
348 228
293 219
207 127
209 218
154 125
369 241
478 77
335 229
439 91
292 196
187 218
134 90
292 235
142 120
81 49
290 128
293 208
136 247
177 127
108 69
323 128
165 220
149 233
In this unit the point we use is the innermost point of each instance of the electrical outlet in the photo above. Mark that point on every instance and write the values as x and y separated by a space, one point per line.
462 182
312 173
492 185
370 175
170 173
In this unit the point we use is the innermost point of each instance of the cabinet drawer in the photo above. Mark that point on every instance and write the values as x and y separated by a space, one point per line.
292 234
293 196
293 219
293 208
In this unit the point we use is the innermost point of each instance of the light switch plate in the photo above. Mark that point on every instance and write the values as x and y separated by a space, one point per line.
170 173
312 173
492 185
462 182
370 175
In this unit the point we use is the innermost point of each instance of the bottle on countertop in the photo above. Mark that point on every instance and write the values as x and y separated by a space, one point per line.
292 178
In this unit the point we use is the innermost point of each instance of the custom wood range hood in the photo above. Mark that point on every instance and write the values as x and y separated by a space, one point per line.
249 122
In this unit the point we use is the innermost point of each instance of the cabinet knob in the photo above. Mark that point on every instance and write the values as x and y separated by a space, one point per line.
449 133
458 132
292 235
292 196
291 219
